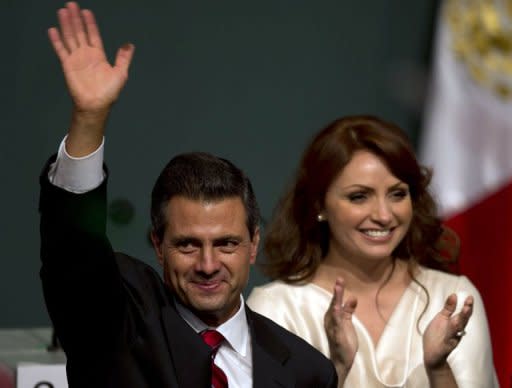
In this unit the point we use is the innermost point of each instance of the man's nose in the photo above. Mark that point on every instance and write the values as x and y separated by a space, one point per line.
209 262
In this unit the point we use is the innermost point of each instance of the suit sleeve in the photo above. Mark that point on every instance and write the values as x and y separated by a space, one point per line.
81 282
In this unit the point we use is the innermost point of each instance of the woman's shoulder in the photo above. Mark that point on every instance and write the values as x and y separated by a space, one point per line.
297 307
277 292
435 280
279 287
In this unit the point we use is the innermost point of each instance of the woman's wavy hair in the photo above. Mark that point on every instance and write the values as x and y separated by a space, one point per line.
296 242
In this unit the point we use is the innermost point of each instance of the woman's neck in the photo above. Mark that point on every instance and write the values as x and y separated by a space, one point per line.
360 275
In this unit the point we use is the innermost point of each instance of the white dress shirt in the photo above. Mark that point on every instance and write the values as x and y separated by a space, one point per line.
234 357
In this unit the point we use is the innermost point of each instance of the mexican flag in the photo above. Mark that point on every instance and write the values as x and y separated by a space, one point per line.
467 140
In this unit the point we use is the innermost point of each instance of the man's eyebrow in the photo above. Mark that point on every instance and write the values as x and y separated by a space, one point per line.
183 240
227 238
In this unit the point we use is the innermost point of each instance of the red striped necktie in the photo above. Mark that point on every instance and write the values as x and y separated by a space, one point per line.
213 339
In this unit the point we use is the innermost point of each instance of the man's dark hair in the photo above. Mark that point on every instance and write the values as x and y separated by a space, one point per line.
203 177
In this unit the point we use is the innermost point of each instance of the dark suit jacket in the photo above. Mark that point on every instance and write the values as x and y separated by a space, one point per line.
117 321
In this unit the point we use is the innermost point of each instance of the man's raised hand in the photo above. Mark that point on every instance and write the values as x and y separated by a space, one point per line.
93 83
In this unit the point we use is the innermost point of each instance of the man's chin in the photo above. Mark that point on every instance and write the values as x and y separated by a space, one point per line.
207 302
209 313
213 309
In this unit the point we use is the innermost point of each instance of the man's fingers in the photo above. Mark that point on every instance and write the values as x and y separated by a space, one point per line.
77 23
91 27
124 57
56 41
66 29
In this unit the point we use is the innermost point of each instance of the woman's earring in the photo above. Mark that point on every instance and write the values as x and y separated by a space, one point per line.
320 217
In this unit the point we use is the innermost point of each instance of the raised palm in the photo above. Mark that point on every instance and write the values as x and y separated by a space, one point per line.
94 84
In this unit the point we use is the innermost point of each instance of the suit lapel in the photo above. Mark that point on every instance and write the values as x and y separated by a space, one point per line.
269 354
191 357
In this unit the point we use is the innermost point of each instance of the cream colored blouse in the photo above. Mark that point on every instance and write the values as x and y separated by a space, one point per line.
397 360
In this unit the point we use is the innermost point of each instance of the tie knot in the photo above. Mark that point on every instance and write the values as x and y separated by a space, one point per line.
212 338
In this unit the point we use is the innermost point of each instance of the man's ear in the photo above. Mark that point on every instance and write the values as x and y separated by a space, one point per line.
157 246
255 242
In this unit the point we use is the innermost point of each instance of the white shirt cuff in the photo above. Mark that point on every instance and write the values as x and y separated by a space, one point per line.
77 175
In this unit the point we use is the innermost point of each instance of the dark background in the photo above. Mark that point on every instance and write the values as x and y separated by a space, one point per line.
249 81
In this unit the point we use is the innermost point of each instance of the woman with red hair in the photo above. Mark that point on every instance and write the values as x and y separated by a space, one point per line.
354 249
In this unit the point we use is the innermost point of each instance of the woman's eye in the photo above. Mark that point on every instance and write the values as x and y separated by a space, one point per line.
399 194
357 197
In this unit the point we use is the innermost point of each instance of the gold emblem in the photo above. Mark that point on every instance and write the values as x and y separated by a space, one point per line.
482 40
